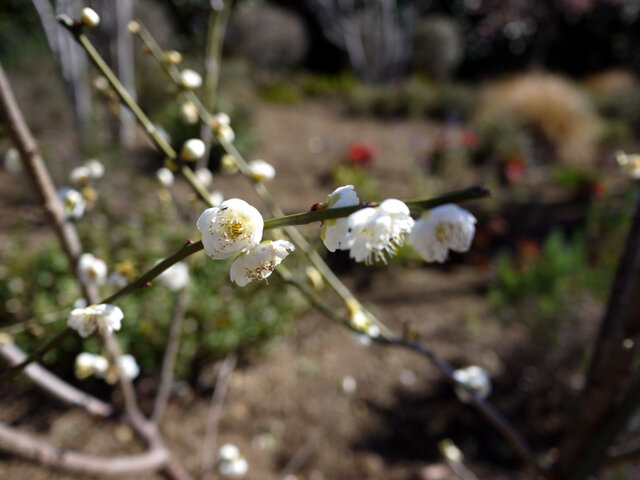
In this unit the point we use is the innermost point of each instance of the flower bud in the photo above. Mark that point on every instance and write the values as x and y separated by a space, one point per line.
261 171
189 113
90 17
134 27
172 57
190 79
192 150
165 176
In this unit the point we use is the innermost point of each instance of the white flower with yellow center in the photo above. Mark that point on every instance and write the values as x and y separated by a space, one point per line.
334 231
443 228
176 277
91 269
73 203
259 262
192 150
233 227
12 161
128 367
105 318
474 379
204 175
261 171
190 79
165 177
374 234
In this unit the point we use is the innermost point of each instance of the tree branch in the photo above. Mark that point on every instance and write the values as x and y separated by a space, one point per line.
26 446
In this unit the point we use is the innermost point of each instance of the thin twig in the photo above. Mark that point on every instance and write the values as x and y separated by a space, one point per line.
169 360
495 418
208 456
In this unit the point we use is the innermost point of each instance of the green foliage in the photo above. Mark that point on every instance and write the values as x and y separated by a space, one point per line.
538 287
220 317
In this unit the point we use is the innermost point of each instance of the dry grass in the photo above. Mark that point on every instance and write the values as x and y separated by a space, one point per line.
550 106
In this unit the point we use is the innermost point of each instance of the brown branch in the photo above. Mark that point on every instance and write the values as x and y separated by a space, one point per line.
169 360
17 129
26 446
53 385
215 413
612 362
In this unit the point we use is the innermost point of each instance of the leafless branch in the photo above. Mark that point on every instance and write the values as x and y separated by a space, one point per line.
53 385
169 360
208 456
26 446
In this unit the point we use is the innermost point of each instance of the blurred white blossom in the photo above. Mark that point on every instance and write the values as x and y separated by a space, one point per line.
104 317
443 228
204 175
473 378
96 168
261 171
73 203
189 113
128 367
630 164
176 277
80 175
88 364
91 269
192 150
12 161
165 176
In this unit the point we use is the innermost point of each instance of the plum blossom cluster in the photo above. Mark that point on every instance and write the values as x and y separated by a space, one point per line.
374 234
231 463
472 379
88 365
629 163
235 227
76 200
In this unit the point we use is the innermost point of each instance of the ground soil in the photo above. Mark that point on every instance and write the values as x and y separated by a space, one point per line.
286 408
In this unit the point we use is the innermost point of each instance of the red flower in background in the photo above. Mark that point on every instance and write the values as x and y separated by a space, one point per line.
360 155
515 169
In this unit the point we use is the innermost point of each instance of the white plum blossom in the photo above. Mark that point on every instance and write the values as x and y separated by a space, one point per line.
228 452
104 317
96 168
373 234
204 175
216 198
88 364
91 269
90 17
233 227
260 261
176 277
12 161
73 203
190 79
472 378
80 175
228 164
193 150
261 171
443 228
165 176
128 367
334 231
232 464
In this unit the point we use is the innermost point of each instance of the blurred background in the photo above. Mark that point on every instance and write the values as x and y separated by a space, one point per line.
400 98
